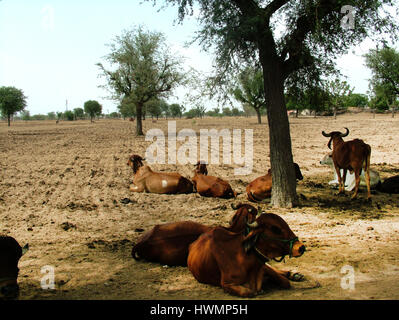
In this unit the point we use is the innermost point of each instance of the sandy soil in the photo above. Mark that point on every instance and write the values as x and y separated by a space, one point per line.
61 188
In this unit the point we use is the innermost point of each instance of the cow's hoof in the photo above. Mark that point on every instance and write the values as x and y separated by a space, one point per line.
296 276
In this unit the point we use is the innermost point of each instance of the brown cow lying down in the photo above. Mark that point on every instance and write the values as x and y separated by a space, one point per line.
168 243
237 261
146 180
390 185
10 253
261 187
210 186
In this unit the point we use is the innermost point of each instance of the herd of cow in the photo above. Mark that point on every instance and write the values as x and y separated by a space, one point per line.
234 257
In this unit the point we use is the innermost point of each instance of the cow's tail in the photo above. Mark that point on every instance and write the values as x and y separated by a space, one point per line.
367 159
134 252
367 169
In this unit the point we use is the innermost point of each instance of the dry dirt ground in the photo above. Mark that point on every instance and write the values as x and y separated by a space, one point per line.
61 188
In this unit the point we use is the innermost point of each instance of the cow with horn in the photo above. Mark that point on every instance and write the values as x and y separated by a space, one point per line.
353 155
238 261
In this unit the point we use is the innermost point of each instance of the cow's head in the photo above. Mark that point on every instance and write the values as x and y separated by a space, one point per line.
327 159
334 134
200 168
271 237
298 173
135 162
10 253
245 213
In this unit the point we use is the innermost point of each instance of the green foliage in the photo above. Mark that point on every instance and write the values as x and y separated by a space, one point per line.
38 117
195 112
313 98
25 115
114 115
12 100
69 115
153 107
176 110
92 108
165 108
313 34
379 103
79 113
384 65
338 92
243 32
144 69
51 116
226 111
127 108
192 113
250 90
356 100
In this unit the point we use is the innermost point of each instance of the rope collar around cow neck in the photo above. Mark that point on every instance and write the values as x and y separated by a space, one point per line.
265 259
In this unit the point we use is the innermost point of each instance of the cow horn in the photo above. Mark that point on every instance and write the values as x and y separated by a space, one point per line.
25 249
326 134
345 134
253 225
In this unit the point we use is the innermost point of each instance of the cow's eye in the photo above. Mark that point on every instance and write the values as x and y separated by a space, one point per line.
276 230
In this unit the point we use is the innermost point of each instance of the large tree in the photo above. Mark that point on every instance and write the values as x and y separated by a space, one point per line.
243 30
92 108
251 90
144 69
12 100
384 65
338 91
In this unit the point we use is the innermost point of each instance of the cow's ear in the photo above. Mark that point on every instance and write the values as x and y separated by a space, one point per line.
25 249
329 144
250 240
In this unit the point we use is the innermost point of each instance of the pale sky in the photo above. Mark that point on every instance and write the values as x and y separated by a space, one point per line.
49 48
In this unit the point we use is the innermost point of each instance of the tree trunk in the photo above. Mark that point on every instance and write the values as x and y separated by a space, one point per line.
139 124
259 116
9 119
335 113
283 173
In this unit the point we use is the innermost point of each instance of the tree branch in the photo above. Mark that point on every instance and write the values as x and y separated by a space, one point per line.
274 6
305 24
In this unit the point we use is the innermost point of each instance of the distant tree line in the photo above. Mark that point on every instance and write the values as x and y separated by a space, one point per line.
322 97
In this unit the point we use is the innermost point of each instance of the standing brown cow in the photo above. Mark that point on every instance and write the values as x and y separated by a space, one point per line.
351 155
